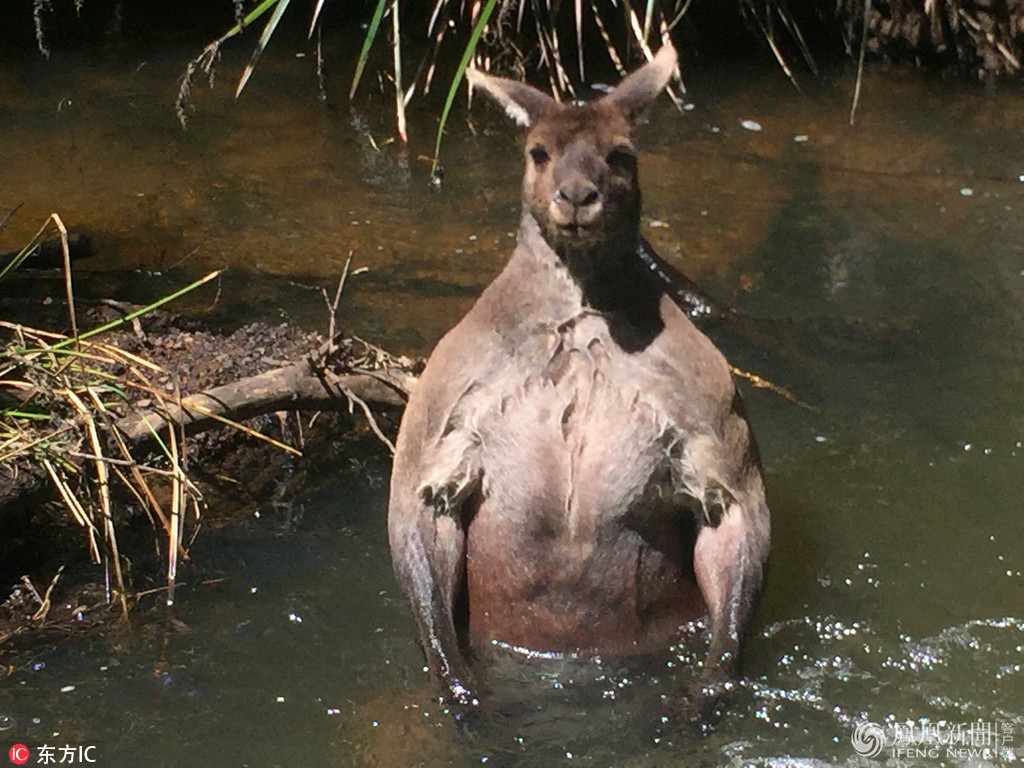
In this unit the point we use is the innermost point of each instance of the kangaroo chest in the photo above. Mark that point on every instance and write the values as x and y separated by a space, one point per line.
572 443
579 540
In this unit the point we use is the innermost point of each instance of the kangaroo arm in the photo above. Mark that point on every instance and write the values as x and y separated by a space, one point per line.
427 531
429 559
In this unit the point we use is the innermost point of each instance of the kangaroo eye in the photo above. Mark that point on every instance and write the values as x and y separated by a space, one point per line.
539 155
621 158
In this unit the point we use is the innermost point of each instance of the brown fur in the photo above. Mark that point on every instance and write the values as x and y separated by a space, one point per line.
574 470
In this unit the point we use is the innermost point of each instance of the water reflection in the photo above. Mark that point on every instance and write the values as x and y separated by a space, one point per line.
882 266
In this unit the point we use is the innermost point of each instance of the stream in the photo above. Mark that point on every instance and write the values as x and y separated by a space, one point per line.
880 265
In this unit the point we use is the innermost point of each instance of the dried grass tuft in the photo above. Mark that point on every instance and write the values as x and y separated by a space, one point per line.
59 398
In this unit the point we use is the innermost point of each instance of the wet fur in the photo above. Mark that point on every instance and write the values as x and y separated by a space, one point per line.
574 471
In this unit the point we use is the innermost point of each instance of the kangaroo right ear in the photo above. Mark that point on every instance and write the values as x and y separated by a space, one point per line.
640 88
523 103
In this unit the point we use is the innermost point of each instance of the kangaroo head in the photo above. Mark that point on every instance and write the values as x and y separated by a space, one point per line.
580 183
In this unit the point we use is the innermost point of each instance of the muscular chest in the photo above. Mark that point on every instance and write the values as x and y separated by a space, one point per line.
570 436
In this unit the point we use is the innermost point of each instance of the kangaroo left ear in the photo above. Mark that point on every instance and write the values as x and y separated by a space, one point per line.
641 87
523 103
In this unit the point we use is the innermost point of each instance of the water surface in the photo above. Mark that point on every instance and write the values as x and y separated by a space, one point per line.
882 267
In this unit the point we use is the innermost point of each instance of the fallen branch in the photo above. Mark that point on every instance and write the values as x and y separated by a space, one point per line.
310 384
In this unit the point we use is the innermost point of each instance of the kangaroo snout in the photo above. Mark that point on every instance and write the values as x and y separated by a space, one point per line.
576 202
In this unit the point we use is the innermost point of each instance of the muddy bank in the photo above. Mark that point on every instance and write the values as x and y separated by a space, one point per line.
52 588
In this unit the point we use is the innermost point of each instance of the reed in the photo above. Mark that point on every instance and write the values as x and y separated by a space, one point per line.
985 39
498 22
60 395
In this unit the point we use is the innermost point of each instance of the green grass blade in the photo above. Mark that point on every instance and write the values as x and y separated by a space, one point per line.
112 389
250 17
268 32
139 312
67 354
467 56
14 263
371 34
648 15
247 20
23 254
26 415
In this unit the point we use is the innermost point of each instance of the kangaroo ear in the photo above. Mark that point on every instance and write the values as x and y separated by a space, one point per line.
641 87
523 103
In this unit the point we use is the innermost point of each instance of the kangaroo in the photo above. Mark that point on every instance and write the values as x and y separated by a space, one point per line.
574 470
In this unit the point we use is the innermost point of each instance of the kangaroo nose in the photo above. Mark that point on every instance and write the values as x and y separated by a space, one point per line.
576 203
577 195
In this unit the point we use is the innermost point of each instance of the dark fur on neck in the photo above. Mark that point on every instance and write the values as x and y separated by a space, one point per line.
616 283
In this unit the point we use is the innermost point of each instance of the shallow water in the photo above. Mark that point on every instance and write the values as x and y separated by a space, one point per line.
882 266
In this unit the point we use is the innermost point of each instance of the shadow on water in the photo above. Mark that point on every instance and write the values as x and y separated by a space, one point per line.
882 267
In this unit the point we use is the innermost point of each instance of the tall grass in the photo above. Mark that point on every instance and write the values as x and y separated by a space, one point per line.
985 38
60 395
488 31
